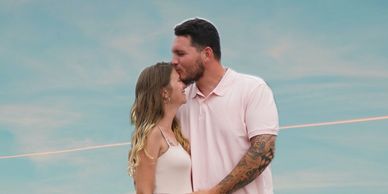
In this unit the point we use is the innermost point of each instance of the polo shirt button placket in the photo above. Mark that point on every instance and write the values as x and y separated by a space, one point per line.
201 110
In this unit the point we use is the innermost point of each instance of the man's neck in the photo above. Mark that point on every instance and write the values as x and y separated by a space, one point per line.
210 79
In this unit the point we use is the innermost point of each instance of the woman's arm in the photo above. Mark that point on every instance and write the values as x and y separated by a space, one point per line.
144 175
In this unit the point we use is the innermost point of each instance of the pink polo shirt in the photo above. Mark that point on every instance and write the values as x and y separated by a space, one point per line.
220 125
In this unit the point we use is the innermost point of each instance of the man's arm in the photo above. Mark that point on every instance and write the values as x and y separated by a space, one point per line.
251 165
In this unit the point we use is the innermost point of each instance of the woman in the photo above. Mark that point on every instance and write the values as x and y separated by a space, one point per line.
159 159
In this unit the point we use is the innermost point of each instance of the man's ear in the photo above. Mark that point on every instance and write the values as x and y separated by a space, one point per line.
207 53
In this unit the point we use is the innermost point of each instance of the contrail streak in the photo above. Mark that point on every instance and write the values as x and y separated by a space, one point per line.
336 122
127 143
65 151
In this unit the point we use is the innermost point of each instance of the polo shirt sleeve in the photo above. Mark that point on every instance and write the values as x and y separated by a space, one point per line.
261 115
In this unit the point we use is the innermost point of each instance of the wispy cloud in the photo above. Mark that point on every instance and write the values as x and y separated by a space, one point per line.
36 127
9 4
364 138
102 172
303 180
26 116
73 73
301 57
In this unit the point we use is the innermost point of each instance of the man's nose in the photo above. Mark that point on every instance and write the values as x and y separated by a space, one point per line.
174 61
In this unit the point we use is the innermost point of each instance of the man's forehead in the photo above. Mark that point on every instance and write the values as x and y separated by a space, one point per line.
183 40
182 43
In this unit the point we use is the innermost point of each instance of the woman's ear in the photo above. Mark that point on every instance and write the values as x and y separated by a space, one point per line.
164 93
165 96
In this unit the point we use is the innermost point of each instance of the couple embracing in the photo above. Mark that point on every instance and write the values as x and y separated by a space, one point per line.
201 127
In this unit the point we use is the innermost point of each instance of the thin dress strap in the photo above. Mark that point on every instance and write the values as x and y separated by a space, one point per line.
165 138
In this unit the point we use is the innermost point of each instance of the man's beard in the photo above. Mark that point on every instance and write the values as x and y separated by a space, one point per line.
196 75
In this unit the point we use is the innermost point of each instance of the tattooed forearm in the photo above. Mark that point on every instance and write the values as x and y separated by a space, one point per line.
251 165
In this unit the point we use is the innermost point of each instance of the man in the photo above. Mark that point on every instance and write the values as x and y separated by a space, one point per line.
230 118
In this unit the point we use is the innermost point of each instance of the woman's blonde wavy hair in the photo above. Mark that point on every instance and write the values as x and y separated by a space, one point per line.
147 110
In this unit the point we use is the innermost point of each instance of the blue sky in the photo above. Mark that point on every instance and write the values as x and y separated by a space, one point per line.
68 70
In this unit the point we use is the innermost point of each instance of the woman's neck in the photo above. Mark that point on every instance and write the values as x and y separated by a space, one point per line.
169 115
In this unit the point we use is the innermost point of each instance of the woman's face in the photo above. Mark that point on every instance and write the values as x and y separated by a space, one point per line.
177 89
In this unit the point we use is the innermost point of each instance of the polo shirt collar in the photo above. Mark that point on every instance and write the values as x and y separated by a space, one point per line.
221 87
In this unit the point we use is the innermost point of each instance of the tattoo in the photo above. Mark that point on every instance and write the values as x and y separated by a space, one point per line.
251 165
